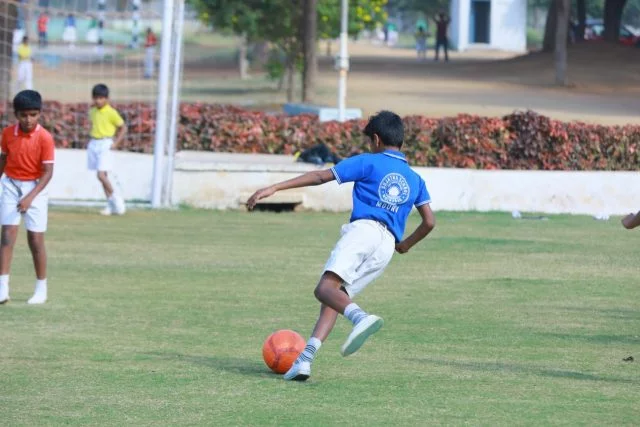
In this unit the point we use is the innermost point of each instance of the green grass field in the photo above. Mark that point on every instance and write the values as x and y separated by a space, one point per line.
159 319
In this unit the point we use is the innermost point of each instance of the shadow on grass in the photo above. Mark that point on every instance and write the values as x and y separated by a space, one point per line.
491 367
235 365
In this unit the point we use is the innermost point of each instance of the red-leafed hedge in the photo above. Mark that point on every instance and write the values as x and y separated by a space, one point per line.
522 140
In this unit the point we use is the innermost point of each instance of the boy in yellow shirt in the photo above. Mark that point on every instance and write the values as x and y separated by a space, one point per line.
106 123
25 66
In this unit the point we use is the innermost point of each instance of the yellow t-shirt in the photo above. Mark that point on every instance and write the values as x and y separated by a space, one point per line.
104 122
24 52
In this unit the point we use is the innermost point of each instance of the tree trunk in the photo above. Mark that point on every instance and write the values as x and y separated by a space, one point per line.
8 23
560 53
549 42
281 82
260 53
612 19
329 42
291 72
310 66
582 20
243 63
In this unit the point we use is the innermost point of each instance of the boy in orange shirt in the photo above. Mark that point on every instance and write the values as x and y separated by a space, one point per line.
27 164
43 24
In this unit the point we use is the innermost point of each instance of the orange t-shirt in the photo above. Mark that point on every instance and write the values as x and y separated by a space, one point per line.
43 20
151 40
26 152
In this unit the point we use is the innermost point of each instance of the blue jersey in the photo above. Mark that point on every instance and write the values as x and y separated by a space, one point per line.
385 188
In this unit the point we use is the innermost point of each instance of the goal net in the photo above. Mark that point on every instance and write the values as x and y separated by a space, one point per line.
73 45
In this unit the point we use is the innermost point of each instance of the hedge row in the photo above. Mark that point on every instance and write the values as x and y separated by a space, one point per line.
522 140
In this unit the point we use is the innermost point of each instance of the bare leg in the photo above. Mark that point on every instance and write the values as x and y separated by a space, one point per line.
39 253
326 322
328 292
631 221
106 184
7 242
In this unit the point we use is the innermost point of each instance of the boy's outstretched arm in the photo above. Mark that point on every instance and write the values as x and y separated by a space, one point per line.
306 180
631 221
428 223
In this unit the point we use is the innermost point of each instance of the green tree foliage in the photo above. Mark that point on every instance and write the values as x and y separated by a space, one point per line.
363 15
595 9
428 7
239 17
278 20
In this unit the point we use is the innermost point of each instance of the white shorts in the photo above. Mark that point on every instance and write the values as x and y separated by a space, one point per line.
69 35
13 190
361 254
25 74
99 157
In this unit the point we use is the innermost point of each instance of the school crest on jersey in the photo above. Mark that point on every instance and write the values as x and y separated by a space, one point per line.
394 189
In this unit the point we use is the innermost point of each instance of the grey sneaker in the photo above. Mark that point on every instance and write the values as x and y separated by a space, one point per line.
365 328
300 371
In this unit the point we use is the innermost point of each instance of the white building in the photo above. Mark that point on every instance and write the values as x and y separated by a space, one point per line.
496 24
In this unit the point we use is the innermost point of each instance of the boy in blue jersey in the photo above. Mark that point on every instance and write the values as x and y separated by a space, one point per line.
385 190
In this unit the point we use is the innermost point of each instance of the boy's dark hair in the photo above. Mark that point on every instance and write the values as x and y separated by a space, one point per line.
100 90
389 128
27 100
25 39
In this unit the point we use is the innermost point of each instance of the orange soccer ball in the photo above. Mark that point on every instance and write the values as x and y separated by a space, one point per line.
281 349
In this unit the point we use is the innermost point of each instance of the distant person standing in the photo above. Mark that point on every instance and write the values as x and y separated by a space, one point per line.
573 31
92 33
149 54
25 66
43 24
107 131
442 25
70 34
421 43
392 38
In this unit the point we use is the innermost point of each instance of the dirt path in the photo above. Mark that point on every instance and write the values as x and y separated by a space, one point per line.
605 83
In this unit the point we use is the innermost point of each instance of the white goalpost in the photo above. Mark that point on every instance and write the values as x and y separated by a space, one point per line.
343 60
162 109
168 102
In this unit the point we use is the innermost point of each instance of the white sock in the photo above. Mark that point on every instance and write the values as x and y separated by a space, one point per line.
4 287
40 294
354 313
309 352
41 286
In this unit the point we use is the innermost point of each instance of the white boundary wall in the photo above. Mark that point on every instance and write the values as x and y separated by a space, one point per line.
224 181
73 182
507 26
